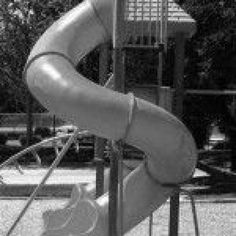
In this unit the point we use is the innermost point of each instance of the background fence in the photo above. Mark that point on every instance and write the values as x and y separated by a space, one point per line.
16 123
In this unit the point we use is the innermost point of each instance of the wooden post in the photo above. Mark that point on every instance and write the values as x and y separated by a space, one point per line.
118 70
178 111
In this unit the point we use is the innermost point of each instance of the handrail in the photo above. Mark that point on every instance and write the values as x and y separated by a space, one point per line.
35 146
38 188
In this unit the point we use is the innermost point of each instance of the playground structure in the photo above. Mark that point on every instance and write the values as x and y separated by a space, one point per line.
52 79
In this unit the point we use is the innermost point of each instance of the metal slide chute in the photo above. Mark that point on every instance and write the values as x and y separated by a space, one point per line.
51 77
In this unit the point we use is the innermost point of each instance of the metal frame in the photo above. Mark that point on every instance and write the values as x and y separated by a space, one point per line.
116 176
116 179
119 44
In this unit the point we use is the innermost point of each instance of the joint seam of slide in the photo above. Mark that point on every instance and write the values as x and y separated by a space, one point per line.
48 53
132 107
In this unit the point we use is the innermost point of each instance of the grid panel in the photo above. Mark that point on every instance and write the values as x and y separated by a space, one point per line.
146 21
146 10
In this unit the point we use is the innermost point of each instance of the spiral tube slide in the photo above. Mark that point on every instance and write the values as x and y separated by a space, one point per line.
53 80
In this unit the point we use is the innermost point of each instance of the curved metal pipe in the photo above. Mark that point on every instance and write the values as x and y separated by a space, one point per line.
53 80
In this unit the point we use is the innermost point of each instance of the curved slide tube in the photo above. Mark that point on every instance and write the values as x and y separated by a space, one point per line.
53 80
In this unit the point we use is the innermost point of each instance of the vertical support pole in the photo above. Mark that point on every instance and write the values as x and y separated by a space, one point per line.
118 70
151 224
113 195
54 126
100 143
178 111
98 157
99 162
165 23
174 215
159 73
162 45
163 19
160 52
179 75
29 130
54 134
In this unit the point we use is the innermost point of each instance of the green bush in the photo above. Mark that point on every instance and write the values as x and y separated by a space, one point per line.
3 139
23 140
43 132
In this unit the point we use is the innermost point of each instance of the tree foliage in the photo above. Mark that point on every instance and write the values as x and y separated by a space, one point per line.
210 54
213 46
22 22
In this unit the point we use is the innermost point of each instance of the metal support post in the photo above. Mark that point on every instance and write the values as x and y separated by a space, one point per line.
100 143
29 131
98 157
113 195
178 111
118 71
174 215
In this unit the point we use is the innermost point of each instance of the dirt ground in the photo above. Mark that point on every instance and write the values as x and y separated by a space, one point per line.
216 218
